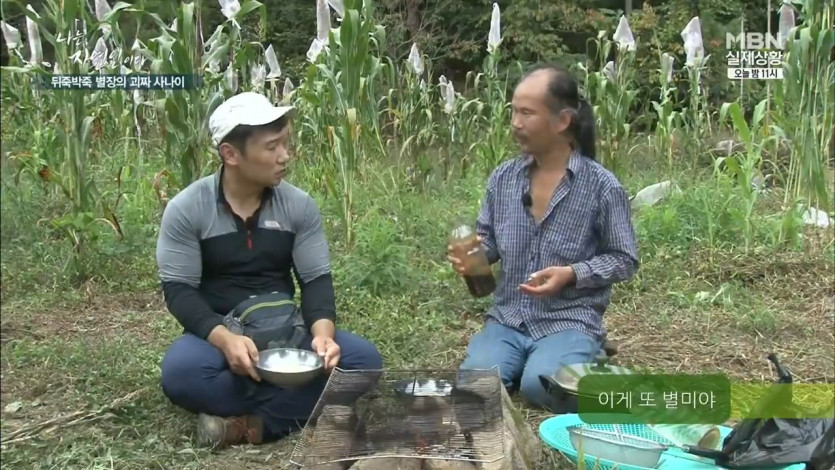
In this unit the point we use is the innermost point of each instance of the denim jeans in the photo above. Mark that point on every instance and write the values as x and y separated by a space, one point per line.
522 360
196 377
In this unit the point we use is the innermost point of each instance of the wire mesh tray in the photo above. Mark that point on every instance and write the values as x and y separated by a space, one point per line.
450 415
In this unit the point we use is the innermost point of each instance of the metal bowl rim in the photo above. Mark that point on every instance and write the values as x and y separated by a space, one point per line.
320 363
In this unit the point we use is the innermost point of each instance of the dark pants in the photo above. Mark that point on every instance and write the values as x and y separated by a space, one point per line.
196 377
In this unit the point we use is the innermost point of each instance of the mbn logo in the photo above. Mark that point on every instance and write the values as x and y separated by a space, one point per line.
751 41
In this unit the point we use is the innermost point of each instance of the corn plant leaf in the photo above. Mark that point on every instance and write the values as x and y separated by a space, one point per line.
162 25
120 6
759 113
737 118
174 115
140 56
43 25
247 7
214 101
182 60
723 112
214 38
16 69
216 54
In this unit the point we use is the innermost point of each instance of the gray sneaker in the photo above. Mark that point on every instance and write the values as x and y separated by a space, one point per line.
216 432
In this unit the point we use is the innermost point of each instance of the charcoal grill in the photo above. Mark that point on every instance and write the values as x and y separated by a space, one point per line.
448 415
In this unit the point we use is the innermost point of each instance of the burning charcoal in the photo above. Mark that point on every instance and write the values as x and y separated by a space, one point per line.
427 419
483 387
449 465
342 417
472 416
335 430
429 404
388 463
474 411
447 422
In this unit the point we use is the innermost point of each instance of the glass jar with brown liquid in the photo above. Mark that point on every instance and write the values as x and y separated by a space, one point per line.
477 272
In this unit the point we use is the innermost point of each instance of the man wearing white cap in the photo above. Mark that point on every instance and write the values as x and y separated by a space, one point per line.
229 242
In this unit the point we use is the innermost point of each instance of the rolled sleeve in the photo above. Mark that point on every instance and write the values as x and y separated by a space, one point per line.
618 258
485 221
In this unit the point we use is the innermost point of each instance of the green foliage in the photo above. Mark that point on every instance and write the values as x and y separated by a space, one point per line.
387 151
360 106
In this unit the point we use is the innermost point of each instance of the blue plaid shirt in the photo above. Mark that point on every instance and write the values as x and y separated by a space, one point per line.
587 225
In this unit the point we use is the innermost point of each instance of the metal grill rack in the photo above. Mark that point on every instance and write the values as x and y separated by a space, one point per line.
450 415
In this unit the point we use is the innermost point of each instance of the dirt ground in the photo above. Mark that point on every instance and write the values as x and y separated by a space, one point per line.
59 390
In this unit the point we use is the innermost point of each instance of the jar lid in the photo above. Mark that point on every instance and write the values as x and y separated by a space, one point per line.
462 231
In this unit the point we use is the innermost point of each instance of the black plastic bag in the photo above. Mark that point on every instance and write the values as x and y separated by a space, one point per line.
780 442
823 457
763 443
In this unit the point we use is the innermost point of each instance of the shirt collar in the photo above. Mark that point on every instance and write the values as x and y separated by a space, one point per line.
575 162
221 197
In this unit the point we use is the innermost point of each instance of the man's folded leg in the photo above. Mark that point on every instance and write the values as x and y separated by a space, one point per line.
234 409
550 354
497 345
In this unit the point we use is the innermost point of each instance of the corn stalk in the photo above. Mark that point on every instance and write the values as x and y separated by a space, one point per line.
186 112
697 114
668 117
612 91
63 153
408 110
340 90
462 122
748 165
492 148
804 101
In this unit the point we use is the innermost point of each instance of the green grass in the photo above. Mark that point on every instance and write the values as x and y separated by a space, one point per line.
727 275
70 351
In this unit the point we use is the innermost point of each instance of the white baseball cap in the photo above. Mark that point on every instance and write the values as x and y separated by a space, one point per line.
247 108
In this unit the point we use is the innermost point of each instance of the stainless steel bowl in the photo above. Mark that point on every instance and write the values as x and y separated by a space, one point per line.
286 367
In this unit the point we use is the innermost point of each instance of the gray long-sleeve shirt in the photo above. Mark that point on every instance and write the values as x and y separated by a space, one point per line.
210 259
587 225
